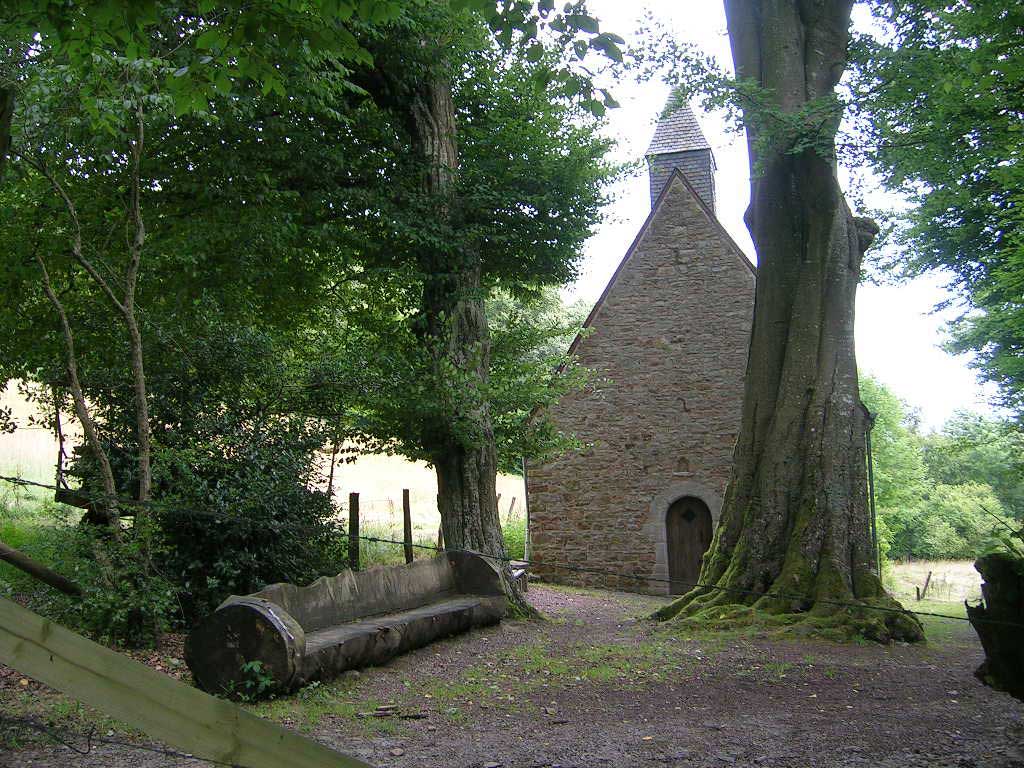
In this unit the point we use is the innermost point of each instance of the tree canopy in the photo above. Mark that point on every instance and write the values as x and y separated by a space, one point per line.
936 96
282 244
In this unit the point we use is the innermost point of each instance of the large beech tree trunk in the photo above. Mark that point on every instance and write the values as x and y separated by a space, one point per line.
794 532
461 446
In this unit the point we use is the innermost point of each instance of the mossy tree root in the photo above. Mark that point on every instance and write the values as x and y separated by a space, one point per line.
872 614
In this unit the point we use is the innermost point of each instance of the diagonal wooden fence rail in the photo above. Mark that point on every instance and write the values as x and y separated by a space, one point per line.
161 707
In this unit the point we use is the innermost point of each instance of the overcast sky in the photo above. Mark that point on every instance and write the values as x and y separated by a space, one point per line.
897 332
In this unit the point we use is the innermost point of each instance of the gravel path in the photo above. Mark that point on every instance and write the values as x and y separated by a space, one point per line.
596 687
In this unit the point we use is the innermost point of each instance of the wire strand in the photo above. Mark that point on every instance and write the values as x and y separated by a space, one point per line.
171 508
90 738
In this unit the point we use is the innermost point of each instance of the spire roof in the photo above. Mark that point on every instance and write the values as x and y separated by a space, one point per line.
677 131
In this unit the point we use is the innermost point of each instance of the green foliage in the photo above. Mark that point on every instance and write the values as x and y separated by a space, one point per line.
899 468
1011 541
933 491
27 523
948 523
256 685
979 449
513 528
241 509
936 101
532 31
530 370
124 601
203 50
283 266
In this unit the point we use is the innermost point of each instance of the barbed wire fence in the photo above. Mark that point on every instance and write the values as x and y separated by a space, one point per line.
504 560
85 742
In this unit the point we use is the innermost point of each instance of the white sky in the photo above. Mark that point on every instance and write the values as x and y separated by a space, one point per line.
897 332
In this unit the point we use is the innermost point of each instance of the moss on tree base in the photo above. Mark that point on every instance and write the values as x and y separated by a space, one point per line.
881 618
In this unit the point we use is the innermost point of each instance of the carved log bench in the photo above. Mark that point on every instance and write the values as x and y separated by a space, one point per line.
354 619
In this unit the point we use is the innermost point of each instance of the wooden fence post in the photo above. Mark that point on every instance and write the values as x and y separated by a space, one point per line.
353 531
152 702
407 525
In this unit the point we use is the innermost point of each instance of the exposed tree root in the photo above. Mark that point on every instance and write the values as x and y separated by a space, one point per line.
518 607
878 617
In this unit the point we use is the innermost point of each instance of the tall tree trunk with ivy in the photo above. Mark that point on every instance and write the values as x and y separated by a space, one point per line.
461 443
794 531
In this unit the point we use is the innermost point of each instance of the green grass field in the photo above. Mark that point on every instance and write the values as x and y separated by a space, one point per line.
30 453
952 581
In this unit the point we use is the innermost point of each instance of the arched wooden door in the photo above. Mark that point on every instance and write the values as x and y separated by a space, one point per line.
688 524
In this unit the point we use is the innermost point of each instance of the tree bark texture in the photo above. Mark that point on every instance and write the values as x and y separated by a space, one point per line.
794 535
462 446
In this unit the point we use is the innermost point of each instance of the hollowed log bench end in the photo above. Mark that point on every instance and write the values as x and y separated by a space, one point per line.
352 620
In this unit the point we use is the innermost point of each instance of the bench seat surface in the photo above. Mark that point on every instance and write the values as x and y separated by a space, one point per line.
338 635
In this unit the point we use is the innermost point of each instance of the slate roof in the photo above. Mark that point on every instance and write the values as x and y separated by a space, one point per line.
677 131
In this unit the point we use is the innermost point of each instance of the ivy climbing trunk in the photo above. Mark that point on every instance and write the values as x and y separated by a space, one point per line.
461 443
794 532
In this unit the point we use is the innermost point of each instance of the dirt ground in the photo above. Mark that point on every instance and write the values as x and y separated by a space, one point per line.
594 686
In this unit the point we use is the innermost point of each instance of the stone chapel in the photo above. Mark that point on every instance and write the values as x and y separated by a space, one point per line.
668 342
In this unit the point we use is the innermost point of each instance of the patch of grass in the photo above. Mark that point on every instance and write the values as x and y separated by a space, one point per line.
778 668
513 527
952 581
60 714
516 673
339 698
373 553
32 524
534 659
474 684
944 632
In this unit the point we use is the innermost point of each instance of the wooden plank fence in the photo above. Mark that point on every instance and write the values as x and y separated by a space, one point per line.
160 706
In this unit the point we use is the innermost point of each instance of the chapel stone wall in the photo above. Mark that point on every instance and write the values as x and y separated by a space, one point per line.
669 345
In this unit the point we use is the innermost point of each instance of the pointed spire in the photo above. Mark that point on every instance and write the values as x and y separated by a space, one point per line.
677 131
680 145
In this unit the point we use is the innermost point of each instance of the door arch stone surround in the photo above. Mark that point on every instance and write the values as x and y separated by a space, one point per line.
657 532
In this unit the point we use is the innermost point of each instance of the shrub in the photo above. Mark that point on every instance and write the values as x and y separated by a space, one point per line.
124 602
239 511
